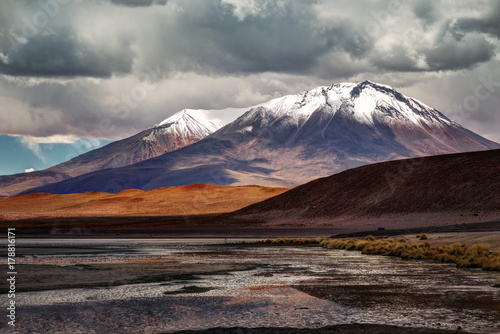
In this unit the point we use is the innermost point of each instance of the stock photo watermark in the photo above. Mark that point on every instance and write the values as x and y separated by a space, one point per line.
11 274
381 18
485 88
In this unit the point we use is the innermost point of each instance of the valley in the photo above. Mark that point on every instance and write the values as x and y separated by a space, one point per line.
166 227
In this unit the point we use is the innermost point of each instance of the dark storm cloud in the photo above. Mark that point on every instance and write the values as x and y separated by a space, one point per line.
397 59
451 54
209 38
232 37
66 54
459 43
426 11
489 23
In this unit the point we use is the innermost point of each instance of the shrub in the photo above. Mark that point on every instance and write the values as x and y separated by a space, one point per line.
425 244
478 250
424 237
401 240
471 256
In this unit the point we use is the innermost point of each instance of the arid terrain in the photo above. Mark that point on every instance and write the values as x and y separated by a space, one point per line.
74 278
192 199
447 190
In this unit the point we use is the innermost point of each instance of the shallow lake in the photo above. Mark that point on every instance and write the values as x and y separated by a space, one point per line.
268 286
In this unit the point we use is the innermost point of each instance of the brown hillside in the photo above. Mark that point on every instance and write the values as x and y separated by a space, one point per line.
179 200
455 187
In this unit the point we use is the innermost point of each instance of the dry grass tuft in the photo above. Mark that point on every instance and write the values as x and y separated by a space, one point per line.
468 256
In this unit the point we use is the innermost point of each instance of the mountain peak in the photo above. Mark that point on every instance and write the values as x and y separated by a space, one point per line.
188 115
356 90
186 125
369 102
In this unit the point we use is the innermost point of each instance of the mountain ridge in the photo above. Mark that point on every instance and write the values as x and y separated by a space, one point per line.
296 138
181 129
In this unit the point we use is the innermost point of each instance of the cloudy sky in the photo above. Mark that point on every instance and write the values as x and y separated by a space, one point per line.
110 68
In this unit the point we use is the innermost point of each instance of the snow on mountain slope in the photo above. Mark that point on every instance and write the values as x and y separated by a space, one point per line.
196 118
297 138
183 128
368 101
357 117
186 125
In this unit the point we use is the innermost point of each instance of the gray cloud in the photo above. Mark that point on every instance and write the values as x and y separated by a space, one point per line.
138 3
398 59
66 54
427 11
223 41
489 23
235 37
451 54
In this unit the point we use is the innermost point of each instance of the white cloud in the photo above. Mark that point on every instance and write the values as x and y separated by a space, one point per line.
33 143
33 147
29 170
56 139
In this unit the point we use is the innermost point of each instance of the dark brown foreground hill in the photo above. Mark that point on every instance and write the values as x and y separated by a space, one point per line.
437 190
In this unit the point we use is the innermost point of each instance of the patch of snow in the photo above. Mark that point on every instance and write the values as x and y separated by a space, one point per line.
364 107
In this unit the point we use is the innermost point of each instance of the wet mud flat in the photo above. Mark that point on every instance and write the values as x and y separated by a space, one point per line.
246 289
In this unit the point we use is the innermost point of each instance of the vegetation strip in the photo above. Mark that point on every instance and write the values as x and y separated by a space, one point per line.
464 256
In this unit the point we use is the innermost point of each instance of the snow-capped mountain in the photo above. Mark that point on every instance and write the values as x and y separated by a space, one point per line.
294 139
368 102
366 117
181 129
